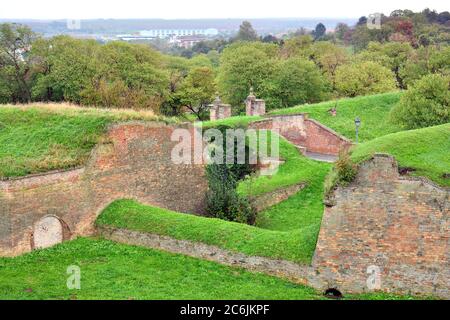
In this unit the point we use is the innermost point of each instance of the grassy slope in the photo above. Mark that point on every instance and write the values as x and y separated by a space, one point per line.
295 246
372 110
115 271
303 210
426 150
49 137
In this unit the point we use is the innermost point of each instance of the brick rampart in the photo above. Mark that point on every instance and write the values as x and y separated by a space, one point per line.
134 162
384 222
306 133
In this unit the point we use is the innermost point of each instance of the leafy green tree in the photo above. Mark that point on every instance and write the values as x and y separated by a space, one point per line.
66 68
299 81
364 78
329 57
246 32
341 30
197 91
297 46
245 65
392 55
319 31
426 103
15 66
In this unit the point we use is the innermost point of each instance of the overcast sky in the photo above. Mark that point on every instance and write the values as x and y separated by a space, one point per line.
192 9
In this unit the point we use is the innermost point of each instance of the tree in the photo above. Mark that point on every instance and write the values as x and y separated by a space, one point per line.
319 31
364 78
15 66
426 103
341 30
299 81
328 57
245 65
197 91
297 46
246 32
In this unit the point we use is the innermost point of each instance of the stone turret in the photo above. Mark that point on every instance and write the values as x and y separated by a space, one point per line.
253 106
218 110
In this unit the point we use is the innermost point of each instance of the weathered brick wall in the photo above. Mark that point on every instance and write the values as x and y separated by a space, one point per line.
398 224
305 132
134 162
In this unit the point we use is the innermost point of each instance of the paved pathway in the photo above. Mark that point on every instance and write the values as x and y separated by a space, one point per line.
321 157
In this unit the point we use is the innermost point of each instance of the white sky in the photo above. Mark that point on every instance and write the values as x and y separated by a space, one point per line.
192 9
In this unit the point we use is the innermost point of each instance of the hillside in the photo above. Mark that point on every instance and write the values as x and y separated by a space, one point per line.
426 151
40 138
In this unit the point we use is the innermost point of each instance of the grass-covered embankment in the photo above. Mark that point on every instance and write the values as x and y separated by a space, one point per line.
373 111
40 138
115 271
426 150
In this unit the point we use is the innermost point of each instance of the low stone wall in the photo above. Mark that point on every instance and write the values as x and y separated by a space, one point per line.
385 232
270 199
280 268
133 163
306 133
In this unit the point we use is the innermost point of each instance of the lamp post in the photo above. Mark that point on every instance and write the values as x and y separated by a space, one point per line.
357 125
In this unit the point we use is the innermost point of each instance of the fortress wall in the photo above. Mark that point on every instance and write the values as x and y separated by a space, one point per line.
306 133
396 224
134 162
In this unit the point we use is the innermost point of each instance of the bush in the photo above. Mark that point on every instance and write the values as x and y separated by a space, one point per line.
223 201
363 78
343 173
425 104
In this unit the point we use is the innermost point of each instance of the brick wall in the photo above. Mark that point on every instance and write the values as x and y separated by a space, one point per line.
397 224
134 162
306 133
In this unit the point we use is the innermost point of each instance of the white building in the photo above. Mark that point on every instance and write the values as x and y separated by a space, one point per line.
168 33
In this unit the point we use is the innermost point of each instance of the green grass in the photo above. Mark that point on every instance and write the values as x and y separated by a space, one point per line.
373 111
303 210
114 271
427 150
238 121
295 246
49 137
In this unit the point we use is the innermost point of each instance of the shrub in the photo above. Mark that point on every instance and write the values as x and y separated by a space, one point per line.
223 201
363 78
343 173
425 104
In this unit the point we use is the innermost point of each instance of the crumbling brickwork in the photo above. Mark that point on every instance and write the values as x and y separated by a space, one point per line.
384 221
134 162
306 133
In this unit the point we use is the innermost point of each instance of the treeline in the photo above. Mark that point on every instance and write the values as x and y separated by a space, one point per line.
304 68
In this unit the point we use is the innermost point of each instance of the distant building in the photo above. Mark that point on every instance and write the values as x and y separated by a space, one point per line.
168 33
185 38
187 41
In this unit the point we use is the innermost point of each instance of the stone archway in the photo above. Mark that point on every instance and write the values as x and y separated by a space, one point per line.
47 232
